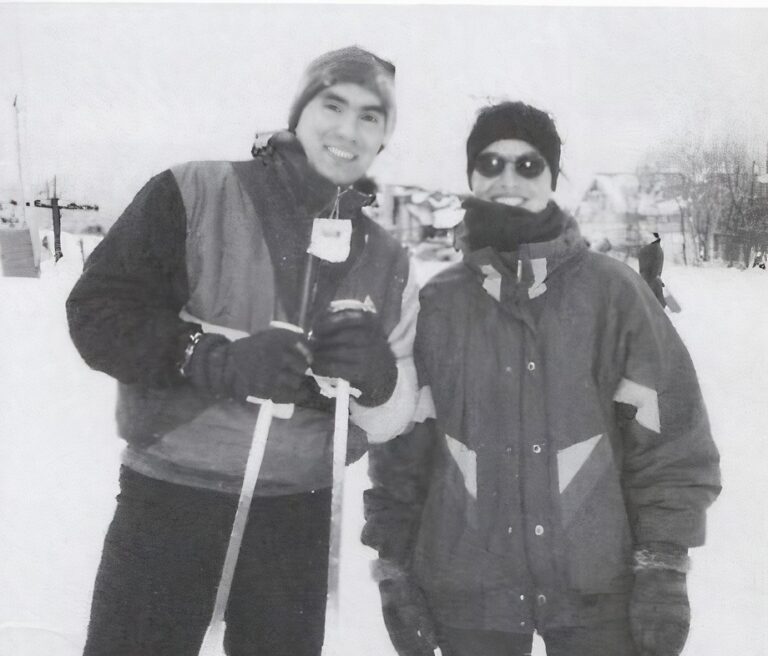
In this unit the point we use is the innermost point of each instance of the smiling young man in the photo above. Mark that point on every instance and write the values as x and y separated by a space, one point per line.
341 131
176 303
562 463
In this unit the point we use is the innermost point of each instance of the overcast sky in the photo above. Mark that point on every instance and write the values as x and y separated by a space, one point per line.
114 93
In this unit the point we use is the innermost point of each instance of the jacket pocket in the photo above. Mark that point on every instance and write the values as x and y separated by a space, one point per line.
462 568
449 556
597 539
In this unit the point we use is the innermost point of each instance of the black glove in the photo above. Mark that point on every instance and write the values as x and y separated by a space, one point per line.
407 617
309 396
659 612
268 365
351 344
504 228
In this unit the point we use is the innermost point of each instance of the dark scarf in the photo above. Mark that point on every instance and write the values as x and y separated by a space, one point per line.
503 227
524 251
305 195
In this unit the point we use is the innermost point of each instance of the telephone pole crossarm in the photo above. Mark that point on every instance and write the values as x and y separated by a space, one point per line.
56 208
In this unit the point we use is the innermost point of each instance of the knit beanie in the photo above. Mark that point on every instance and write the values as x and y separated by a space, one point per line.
347 65
515 120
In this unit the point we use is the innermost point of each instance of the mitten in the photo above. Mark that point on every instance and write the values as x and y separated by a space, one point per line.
351 344
406 614
659 611
268 365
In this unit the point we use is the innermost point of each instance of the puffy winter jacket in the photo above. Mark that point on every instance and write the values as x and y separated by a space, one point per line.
563 424
221 245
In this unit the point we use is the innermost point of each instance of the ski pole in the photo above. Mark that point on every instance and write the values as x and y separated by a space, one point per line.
213 641
340 435
331 243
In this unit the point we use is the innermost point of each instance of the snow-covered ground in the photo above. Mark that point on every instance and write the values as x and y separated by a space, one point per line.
59 461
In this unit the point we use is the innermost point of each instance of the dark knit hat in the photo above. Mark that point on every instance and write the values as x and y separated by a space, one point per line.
351 65
515 120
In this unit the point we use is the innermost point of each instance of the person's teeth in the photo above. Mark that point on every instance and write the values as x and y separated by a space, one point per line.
337 152
510 200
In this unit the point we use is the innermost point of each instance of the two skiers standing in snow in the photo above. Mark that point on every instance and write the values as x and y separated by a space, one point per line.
561 462
554 462
178 303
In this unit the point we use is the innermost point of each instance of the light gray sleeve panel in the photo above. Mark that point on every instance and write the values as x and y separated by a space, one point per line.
231 281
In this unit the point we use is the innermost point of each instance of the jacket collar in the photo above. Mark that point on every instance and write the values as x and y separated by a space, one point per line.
314 193
522 274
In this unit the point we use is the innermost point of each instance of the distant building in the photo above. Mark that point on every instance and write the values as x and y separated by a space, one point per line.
413 214
608 210
620 211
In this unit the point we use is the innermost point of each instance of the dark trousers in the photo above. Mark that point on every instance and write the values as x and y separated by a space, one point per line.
162 560
608 639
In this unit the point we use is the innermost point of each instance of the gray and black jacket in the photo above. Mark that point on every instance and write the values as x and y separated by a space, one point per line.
221 245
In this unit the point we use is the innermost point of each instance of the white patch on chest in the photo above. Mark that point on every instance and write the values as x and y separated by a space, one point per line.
492 281
538 287
466 461
572 459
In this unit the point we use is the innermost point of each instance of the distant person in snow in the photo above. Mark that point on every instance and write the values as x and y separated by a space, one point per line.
176 303
562 462
651 262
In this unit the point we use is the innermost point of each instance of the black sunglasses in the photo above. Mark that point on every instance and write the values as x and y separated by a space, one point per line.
491 165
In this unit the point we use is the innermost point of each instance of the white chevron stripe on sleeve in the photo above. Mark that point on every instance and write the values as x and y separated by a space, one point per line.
466 460
386 421
393 417
644 399
425 405
571 459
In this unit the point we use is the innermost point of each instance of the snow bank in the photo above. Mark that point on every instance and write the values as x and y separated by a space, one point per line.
59 462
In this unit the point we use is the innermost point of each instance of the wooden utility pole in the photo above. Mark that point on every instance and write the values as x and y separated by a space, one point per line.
56 212
31 221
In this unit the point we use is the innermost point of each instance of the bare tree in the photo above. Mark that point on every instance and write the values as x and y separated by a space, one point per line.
712 182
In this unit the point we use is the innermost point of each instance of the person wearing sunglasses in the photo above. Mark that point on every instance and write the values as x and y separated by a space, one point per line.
561 461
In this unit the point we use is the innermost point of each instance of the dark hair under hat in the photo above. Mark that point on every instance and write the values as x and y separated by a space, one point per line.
515 120
352 65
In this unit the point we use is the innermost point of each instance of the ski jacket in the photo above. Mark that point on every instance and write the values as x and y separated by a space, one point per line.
651 262
562 424
221 245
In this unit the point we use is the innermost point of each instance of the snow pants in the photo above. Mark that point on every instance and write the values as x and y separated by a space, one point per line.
611 638
162 560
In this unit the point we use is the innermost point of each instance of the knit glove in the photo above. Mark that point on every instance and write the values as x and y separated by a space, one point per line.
351 344
659 611
267 365
406 614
